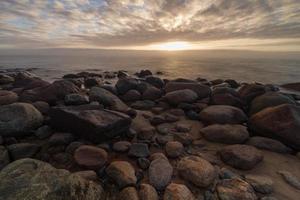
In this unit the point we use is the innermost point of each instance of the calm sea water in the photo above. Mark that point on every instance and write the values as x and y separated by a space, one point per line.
245 66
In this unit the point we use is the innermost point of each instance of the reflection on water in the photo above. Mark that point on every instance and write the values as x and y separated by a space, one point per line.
268 68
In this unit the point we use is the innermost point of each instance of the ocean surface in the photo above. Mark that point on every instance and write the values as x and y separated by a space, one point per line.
244 66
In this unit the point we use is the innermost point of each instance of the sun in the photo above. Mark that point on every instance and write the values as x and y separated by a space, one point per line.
172 46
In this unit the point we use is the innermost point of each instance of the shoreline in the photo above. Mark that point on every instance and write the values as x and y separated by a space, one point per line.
140 136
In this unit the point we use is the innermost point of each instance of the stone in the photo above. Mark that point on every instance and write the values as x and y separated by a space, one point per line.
122 173
235 189
128 193
92 81
157 155
143 73
28 178
292 86
8 97
43 132
155 81
181 96
143 163
90 122
139 150
178 192
121 146
4 157
146 133
228 134
60 138
280 122
269 99
19 118
108 99
143 105
147 192
232 83
174 149
249 91
226 96
90 157
201 90
73 146
261 184
197 171
243 157
76 99
6 79
42 106
223 114
160 173
126 84
268 144
152 93
131 95
22 150
290 178
57 91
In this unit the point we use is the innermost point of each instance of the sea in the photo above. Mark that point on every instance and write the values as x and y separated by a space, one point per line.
243 66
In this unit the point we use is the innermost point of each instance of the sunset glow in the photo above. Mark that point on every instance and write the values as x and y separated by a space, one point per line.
172 46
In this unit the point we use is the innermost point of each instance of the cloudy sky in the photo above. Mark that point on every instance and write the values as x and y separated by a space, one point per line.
151 24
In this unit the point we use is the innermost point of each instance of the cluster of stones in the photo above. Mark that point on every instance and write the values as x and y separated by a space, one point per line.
143 137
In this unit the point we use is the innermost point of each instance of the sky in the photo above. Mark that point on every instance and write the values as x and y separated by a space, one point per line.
270 25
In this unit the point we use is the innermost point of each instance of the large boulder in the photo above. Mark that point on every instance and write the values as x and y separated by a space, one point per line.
269 99
222 114
197 171
160 173
108 99
281 122
228 133
181 96
57 91
226 96
7 97
122 173
249 91
235 189
201 90
125 84
243 157
19 118
29 179
90 122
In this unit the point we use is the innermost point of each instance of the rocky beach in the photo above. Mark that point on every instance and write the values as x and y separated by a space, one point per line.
114 135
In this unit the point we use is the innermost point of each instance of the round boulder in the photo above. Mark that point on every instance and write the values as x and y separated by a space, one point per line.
181 96
228 134
7 97
243 157
174 149
222 114
18 118
178 192
197 171
90 157
122 173
160 173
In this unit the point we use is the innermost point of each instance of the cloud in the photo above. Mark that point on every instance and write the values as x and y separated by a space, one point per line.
118 23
